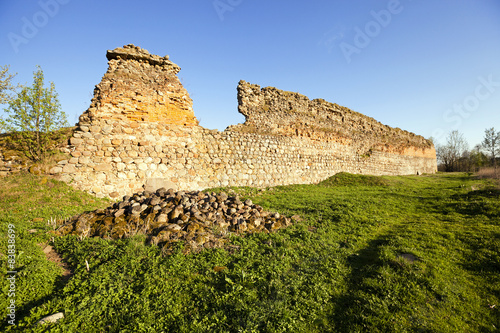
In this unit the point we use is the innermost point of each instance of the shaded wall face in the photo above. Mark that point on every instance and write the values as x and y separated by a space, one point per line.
121 157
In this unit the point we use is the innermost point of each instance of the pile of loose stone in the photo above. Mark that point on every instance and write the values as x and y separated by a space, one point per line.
201 220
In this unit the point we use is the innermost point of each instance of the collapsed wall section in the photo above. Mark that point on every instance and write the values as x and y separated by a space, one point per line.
277 112
123 145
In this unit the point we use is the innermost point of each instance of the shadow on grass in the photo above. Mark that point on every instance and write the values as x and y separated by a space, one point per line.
478 202
484 256
483 260
24 311
369 303
350 309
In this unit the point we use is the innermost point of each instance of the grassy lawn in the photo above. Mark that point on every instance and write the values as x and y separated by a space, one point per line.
371 254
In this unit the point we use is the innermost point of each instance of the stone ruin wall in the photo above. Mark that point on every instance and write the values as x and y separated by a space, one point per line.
277 112
140 131
140 87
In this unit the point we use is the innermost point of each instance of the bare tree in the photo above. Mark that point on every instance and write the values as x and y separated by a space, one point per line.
491 144
449 154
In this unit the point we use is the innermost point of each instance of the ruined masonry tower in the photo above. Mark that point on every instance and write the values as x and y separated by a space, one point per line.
140 132
139 86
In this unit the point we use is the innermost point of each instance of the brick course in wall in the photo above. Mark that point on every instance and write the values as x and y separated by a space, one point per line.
140 131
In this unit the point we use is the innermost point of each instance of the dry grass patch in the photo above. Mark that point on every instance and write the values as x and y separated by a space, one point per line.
489 173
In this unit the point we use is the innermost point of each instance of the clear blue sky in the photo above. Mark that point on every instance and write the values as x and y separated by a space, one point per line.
423 65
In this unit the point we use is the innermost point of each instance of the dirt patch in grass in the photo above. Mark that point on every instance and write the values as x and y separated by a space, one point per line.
54 257
408 257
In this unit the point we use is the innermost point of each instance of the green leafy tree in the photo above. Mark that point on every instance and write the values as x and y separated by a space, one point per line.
6 88
491 144
478 158
33 115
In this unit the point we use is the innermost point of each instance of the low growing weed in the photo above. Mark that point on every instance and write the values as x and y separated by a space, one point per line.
368 254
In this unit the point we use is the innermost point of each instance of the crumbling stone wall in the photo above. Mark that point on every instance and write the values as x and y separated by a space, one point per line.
123 144
139 86
277 112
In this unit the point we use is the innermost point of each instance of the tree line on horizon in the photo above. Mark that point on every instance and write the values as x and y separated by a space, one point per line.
455 155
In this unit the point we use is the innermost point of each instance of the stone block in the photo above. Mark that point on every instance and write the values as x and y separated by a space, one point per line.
69 168
103 167
95 129
84 160
75 141
152 184
55 170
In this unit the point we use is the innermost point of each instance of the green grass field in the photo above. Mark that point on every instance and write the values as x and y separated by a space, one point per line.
371 254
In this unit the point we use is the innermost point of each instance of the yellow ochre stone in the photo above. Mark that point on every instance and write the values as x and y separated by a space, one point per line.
139 87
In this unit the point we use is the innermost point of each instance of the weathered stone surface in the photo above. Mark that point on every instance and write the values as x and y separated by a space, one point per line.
276 112
152 184
103 167
139 87
140 132
55 170
76 141
69 168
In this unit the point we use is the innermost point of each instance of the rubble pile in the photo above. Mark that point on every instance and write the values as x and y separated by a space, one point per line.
201 220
